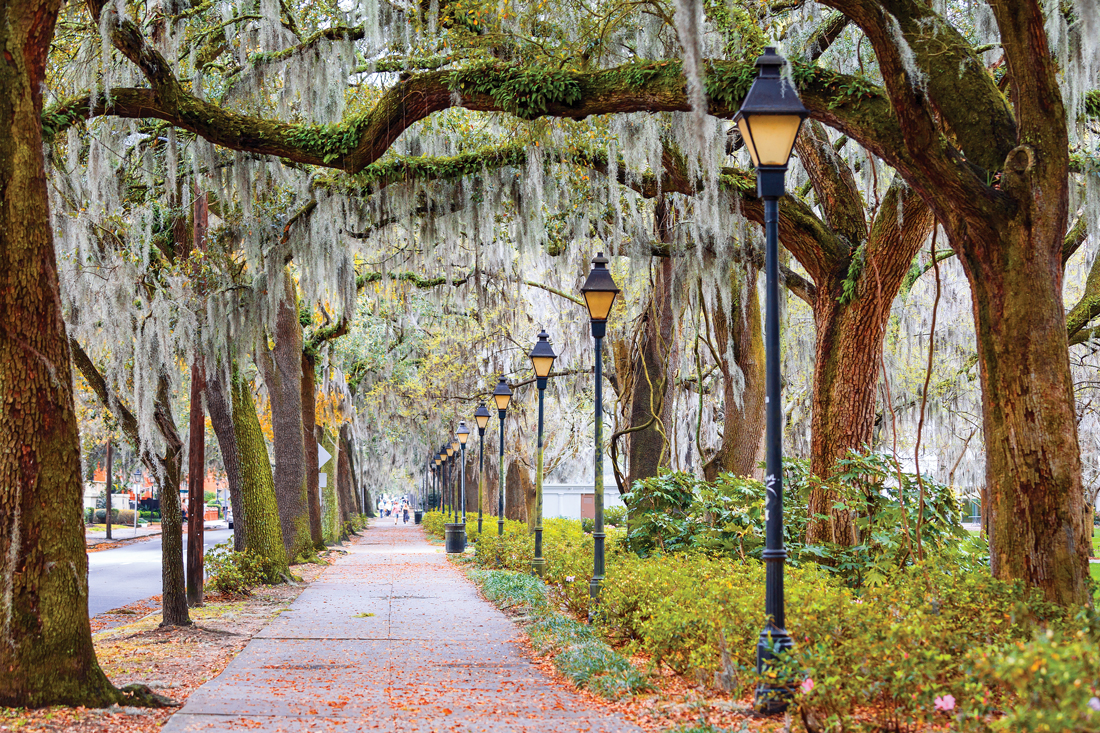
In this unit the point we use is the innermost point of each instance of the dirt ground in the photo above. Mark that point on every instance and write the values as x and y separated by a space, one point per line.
174 662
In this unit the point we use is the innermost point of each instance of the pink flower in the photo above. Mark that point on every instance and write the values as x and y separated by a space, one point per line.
945 703
1094 703
806 686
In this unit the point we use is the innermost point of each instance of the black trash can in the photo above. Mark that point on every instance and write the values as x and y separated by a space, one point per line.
456 537
417 516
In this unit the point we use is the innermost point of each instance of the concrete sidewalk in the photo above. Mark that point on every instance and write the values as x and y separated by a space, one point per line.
390 638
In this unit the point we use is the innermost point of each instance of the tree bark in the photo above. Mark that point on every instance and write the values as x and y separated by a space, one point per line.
309 439
343 482
1033 468
221 420
738 323
330 505
46 652
196 487
282 373
848 353
173 586
263 535
519 493
655 340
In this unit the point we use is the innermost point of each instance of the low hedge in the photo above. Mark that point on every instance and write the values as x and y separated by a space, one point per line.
578 653
939 642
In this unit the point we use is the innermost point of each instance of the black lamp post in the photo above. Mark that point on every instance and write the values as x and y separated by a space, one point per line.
599 292
435 480
542 359
454 484
769 120
481 415
463 435
443 456
502 395
448 500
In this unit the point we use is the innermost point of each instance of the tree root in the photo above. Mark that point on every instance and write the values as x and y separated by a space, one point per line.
142 696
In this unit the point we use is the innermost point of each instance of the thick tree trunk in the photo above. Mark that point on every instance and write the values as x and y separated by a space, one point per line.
848 354
222 422
309 438
738 324
1033 467
330 505
282 373
173 584
655 342
343 482
46 653
196 486
519 493
263 534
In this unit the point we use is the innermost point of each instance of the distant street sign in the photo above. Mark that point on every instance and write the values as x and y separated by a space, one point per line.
322 455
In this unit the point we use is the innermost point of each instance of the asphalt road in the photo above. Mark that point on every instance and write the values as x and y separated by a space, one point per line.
132 572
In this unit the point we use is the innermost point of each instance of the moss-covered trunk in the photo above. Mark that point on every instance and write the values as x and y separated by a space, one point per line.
46 654
1033 467
263 535
851 327
282 373
309 437
330 506
739 333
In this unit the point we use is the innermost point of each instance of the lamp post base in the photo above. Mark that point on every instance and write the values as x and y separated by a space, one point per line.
538 567
594 592
773 697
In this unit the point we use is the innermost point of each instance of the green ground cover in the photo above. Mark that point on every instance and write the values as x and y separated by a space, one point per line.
885 639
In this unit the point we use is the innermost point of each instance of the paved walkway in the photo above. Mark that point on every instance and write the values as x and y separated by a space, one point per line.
429 656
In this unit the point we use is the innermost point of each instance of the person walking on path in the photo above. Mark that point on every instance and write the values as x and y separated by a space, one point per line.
405 512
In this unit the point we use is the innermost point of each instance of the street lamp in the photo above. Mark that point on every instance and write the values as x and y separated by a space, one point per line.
502 395
769 120
435 478
481 415
542 359
599 292
448 451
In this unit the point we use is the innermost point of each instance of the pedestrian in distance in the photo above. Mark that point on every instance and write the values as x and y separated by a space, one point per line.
405 512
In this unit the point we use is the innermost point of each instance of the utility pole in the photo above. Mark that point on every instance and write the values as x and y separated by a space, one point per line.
107 496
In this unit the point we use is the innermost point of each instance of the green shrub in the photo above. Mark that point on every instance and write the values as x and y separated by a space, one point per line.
578 653
887 651
120 516
233 572
1048 683
676 512
615 516
508 590
433 522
